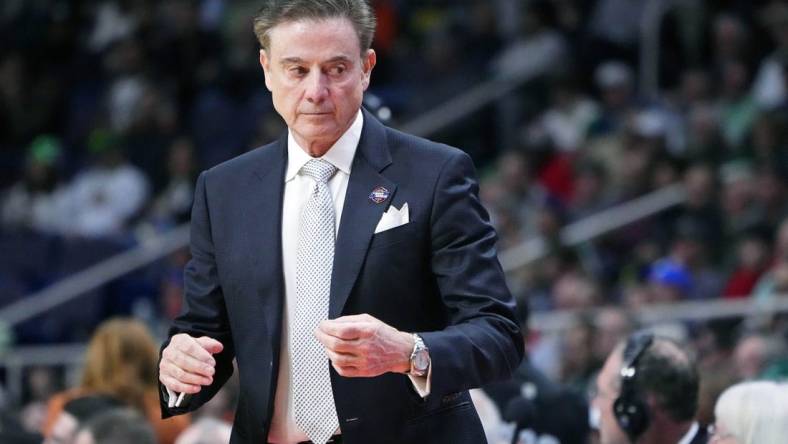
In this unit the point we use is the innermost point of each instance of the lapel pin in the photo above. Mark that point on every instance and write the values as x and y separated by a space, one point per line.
379 195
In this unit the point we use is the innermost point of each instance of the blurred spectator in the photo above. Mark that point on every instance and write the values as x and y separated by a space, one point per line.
173 204
513 198
567 120
699 218
538 50
542 410
714 343
713 382
751 261
124 64
29 98
768 140
770 88
669 282
647 391
37 201
730 39
121 361
754 412
771 195
578 362
754 353
41 383
116 426
591 194
613 325
781 248
704 136
774 282
76 413
105 197
205 431
695 89
690 248
12 432
114 20
740 211
615 29
573 291
737 107
616 85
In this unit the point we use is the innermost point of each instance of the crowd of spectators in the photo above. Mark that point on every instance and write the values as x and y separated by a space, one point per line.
109 109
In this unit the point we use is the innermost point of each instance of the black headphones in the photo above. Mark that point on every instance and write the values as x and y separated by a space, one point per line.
630 410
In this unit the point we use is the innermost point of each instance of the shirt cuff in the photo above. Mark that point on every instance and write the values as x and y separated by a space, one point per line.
422 383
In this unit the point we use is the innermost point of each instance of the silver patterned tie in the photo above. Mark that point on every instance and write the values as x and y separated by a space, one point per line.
313 401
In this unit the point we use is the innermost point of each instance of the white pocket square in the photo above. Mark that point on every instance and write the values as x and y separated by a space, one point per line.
393 218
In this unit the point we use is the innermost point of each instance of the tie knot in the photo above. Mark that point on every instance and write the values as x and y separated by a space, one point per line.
319 169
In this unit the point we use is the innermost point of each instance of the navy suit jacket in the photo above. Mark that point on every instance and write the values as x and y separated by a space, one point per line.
438 276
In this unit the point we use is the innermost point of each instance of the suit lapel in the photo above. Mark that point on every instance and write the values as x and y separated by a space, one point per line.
360 214
266 230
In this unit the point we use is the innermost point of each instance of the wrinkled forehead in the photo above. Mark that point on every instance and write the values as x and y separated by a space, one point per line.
319 35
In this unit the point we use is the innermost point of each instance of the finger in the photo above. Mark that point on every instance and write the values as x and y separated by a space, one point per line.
211 345
342 330
335 344
190 364
183 376
177 386
364 317
193 348
342 359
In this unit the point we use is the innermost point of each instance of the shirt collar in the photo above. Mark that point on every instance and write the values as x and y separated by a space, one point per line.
690 435
340 154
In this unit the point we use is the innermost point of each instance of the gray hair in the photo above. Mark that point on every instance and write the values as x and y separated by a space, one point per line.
275 12
755 412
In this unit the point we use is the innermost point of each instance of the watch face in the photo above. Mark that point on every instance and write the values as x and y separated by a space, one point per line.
421 361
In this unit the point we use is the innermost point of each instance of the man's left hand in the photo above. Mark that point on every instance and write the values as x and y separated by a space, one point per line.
363 346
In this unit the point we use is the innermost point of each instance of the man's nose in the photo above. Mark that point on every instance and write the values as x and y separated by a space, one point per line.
316 87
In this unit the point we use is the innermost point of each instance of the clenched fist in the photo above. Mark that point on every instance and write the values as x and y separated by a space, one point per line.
363 346
187 363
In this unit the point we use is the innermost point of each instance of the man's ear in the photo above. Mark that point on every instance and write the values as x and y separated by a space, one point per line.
265 63
654 410
367 63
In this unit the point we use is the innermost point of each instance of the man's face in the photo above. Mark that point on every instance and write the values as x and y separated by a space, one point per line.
607 391
317 78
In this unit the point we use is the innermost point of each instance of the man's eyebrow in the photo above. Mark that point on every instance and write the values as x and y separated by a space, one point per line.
291 60
299 60
339 58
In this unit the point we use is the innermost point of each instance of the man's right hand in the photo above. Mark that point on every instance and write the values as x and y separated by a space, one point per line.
187 363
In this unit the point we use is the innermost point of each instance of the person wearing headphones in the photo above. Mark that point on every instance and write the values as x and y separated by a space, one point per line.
647 393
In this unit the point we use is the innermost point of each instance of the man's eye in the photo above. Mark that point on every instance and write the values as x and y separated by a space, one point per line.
298 71
337 70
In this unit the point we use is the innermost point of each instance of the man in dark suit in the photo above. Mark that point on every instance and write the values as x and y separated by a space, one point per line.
349 268
647 393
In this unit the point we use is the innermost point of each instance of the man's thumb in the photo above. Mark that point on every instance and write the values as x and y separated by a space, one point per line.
210 344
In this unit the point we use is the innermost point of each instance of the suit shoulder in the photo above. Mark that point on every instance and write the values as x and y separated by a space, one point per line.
248 162
419 148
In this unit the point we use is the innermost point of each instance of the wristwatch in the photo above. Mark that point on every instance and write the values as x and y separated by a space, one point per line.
419 358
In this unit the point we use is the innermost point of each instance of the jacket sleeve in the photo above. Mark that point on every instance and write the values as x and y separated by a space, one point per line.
204 312
482 342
